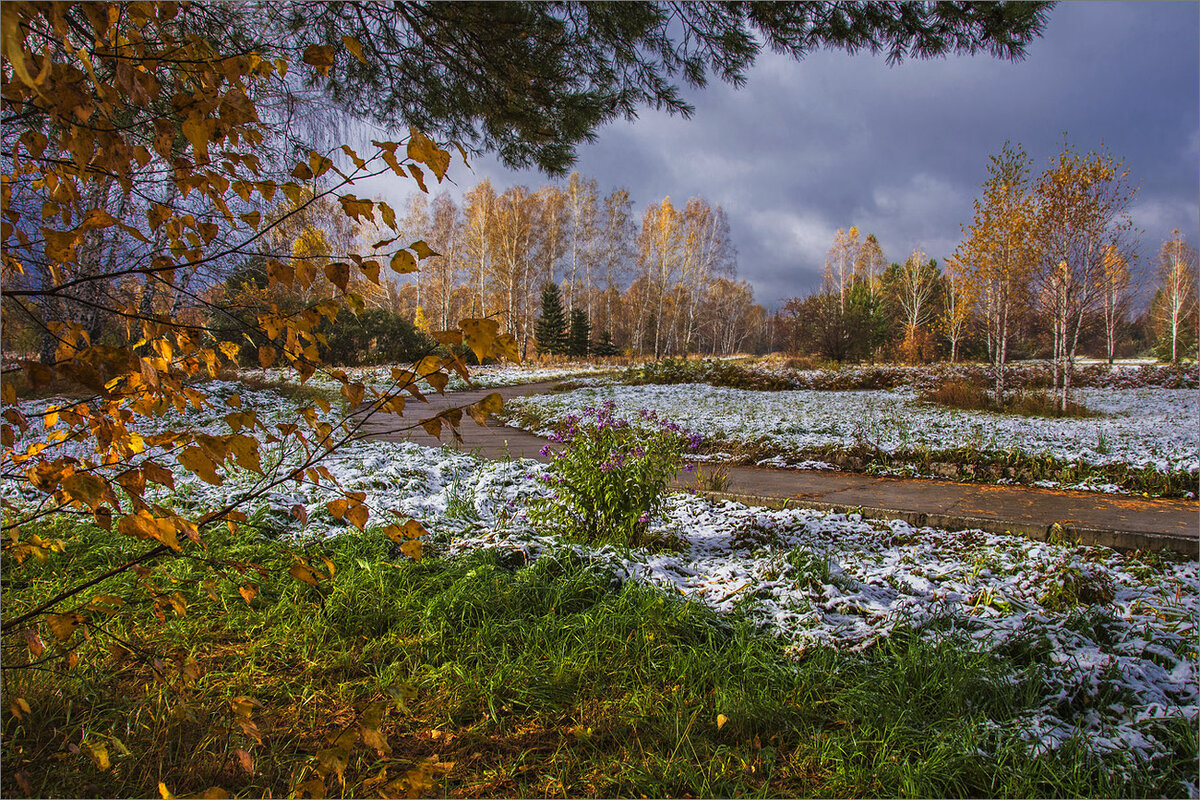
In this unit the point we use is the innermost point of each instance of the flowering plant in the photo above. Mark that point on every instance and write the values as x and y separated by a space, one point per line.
608 480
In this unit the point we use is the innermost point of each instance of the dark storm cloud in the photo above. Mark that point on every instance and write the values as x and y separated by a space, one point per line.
840 140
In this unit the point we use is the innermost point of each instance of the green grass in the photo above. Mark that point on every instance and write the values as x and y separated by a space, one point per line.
551 678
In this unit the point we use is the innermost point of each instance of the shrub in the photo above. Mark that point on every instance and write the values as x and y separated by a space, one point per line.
714 373
957 393
376 336
610 478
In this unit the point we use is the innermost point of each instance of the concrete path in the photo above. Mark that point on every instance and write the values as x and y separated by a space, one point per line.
1122 521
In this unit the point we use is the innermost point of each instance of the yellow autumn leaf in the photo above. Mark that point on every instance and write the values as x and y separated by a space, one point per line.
354 47
197 461
403 262
492 404
63 625
98 753
422 249
413 549
302 572
480 335
422 149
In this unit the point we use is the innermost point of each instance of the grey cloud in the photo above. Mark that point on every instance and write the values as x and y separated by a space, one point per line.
839 140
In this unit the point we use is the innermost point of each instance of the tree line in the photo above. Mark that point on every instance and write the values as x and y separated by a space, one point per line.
1049 266
666 285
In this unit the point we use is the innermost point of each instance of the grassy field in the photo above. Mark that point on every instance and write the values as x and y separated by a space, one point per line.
484 675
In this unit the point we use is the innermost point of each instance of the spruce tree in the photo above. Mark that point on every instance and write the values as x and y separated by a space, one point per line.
581 331
605 346
551 328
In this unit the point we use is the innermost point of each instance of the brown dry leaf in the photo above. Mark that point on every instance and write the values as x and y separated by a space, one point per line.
245 761
403 262
34 642
369 727
314 788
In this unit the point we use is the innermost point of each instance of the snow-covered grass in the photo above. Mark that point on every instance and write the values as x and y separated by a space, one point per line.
1143 429
482 377
1103 647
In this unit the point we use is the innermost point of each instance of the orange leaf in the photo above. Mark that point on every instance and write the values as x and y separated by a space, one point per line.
302 572
492 404
319 57
413 549
83 487
357 516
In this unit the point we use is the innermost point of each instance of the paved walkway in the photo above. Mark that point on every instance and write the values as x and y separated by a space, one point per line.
1119 521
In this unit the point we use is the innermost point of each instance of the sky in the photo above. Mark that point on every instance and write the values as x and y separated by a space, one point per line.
835 140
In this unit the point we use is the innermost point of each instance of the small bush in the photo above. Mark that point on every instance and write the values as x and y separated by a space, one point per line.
959 394
610 478
714 478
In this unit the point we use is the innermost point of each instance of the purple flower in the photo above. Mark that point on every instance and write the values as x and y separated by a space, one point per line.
644 518
690 467
545 451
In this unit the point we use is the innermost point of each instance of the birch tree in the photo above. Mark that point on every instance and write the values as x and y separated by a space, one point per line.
839 266
479 209
1115 299
615 248
1083 202
659 246
443 270
997 255
580 200
916 290
869 264
1174 307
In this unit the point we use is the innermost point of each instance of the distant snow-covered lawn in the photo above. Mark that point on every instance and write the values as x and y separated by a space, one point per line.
1148 427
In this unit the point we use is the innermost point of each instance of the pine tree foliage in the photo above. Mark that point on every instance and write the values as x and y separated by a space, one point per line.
551 328
579 334
456 69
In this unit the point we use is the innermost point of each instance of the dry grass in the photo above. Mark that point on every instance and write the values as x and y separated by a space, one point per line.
1026 403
